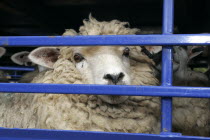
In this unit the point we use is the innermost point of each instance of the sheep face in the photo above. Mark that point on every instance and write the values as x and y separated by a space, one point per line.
104 65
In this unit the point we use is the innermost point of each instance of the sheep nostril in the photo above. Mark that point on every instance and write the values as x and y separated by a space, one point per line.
115 78
108 76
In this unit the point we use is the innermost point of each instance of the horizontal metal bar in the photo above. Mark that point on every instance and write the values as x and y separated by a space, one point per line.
162 91
18 68
43 134
177 39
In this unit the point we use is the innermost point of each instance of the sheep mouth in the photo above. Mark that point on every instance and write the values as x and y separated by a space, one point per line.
113 99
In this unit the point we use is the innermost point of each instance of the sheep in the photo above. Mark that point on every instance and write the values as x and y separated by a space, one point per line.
21 58
96 113
80 65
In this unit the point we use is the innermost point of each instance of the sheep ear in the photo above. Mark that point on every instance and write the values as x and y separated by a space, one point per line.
44 56
20 58
2 51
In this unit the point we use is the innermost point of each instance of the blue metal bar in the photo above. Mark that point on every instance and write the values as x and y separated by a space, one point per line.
43 134
18 68
166 102
166 39
167 60
34 134
164 91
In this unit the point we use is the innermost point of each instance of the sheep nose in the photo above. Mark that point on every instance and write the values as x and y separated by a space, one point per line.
115 78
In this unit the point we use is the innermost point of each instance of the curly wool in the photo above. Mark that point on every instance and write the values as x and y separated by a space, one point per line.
191 116
114 27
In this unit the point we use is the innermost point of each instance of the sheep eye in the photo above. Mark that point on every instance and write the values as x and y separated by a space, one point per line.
78 57
126 52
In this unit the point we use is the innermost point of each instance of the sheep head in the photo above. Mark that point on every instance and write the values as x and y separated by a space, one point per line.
107 65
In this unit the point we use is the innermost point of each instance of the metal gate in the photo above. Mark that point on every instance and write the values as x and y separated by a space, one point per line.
166 90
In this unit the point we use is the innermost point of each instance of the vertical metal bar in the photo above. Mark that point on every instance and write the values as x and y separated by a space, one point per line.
167 64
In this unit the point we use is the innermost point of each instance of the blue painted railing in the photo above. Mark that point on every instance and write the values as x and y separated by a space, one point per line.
166 90
165 39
